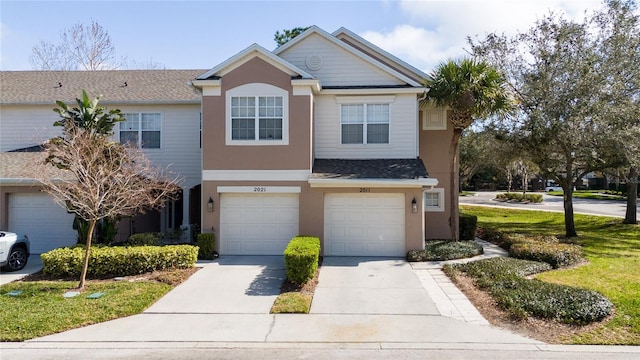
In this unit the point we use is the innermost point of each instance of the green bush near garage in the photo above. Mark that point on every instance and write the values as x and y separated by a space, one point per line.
301 258
440 250
468 226
504 279
207 246
110 261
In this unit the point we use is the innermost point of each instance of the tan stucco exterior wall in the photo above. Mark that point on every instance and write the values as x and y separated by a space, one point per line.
311 209
218 156
434 152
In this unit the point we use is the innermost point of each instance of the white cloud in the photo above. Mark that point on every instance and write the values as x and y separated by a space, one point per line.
437 30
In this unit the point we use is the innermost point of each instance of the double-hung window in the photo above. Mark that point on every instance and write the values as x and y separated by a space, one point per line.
257 115
256 118
141 130
364 123
434 200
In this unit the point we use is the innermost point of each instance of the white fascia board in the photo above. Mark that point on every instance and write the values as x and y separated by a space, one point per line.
243 56
362 41
351 50
255 175
209 87
374 183
372 91
312 84
260 189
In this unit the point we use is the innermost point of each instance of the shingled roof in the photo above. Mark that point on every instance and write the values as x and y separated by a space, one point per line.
115 86
17 167
369 169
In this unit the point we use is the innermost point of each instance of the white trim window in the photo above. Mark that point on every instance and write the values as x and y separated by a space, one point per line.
364 124
257 114
434 200
141 129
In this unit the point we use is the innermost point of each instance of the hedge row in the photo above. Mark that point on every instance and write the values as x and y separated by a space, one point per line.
535 198
535 247
118 260
301 258
504 279
439 250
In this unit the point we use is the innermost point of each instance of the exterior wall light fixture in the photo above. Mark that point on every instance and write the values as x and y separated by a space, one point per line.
210 204
414 206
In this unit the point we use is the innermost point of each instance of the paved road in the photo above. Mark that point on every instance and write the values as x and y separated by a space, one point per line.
552 203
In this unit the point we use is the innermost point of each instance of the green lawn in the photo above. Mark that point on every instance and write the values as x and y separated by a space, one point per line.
42 310
613 251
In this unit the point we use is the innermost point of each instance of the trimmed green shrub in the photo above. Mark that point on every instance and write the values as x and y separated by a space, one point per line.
468 226
504 279
535 198
142 239
301 258
118 260
554 253
438 250
207 246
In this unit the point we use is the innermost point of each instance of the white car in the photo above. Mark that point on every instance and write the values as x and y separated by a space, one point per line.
14 251
553 188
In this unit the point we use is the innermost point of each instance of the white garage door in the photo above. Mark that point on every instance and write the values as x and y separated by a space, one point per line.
364 225
47 225
257 224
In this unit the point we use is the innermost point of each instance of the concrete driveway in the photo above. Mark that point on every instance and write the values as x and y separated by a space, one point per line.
34 264
231 285
359 285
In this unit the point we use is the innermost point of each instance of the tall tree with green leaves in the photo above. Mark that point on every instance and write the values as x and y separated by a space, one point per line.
470 90
283 37
571 87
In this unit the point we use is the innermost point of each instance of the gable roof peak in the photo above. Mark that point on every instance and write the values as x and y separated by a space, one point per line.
254 50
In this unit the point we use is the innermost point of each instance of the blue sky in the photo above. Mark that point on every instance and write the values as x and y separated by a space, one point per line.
201 34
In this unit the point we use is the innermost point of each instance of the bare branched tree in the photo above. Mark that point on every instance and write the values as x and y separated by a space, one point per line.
105 180
102 178
83 47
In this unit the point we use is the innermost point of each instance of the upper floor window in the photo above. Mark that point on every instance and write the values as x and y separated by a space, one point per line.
141 130
257 114
364 123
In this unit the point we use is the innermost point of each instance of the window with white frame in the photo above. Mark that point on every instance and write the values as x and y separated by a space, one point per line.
434 200
364 123
141 130
257 115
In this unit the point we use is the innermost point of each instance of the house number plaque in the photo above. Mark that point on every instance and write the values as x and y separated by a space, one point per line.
365 190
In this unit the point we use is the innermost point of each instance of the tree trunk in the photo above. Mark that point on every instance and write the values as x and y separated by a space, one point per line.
631 215
569 224
454 211
87 253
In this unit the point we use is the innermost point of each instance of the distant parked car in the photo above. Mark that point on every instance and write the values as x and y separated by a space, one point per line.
553 188
14 251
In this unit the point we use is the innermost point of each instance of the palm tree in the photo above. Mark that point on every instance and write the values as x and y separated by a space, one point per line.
471 90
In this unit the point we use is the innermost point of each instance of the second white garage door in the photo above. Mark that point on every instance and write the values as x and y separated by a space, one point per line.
257 224
47 225
364 225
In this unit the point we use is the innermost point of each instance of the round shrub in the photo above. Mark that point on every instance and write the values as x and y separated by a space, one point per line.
144 239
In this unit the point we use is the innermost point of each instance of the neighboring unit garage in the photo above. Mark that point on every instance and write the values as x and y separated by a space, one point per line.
257 224
47 225
364 225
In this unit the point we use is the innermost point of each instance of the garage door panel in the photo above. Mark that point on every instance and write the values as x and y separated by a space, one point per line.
47 225
364 225
257 224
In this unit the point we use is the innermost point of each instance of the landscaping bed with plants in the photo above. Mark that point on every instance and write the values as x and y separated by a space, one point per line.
302 261
440 250
611 253
518 197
